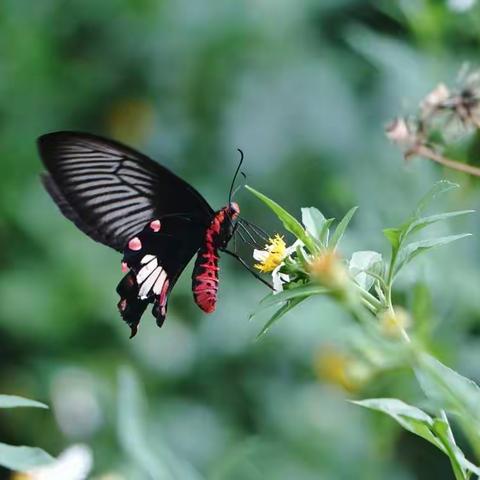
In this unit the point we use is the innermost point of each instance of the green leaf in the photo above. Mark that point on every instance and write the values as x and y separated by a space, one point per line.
423 222
397 236
393 236
448 389
131 427
438 188
435 430
460 464
409 417
413 249
23 459
341 227
313 221
13 401
362 262
305 291
280 313
289 222
325 232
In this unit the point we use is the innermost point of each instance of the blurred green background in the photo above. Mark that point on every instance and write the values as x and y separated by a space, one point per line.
305 88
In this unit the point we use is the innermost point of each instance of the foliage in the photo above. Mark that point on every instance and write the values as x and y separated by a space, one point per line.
304 88
450 391
21 458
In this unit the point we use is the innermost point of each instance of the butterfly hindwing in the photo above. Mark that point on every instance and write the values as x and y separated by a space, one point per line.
155 258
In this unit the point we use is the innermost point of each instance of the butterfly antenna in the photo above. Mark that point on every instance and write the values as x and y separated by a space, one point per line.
230 194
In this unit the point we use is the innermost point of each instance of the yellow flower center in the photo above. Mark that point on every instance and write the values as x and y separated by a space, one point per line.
273 255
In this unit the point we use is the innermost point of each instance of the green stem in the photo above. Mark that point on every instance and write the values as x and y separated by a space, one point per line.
368 297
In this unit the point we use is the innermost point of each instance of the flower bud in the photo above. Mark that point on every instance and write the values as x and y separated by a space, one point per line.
327 269
394 322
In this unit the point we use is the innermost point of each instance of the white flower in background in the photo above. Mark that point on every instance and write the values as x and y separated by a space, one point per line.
74 463
461 5
272 260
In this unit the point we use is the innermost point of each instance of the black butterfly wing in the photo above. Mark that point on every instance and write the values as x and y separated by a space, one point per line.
155 258
111 191
117 196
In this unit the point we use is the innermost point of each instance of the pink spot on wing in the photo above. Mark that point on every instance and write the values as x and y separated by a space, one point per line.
155 225
135 244
124 267
163 293
122 304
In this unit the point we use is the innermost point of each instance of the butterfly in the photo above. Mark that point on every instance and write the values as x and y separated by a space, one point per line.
125 200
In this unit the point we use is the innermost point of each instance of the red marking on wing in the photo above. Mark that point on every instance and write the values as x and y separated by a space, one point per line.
135 244
155 225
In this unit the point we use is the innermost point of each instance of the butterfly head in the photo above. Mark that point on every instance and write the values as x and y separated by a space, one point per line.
233 210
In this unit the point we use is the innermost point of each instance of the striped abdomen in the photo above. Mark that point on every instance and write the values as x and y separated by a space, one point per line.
205 272
205 279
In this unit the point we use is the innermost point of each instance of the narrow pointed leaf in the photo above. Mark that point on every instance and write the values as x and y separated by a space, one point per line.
457 458
409 417
423 222
448 389
23 459
438 188
415 248
13 401
341 227
131 427
280 313
325 232
274 299
289 222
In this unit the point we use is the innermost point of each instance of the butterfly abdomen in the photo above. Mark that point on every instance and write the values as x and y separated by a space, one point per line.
205 272
205 279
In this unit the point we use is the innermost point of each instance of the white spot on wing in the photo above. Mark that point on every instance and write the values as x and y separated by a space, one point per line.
147 258
147 285
147 270
157 288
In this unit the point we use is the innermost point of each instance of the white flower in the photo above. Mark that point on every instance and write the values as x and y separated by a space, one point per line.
279 279
273 259
74 463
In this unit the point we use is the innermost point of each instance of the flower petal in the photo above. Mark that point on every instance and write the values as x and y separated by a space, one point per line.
260 255
279 279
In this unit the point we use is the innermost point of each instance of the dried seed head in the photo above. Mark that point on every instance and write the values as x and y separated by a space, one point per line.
434 101
402 134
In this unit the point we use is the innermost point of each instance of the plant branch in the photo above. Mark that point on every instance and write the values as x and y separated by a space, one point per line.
426 152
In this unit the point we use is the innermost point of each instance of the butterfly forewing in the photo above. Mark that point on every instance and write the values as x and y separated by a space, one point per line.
111 191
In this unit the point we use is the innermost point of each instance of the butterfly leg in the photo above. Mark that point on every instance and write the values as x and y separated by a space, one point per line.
253 272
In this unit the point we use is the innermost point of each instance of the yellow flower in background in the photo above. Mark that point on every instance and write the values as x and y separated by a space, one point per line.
336 367
273 255
394 322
